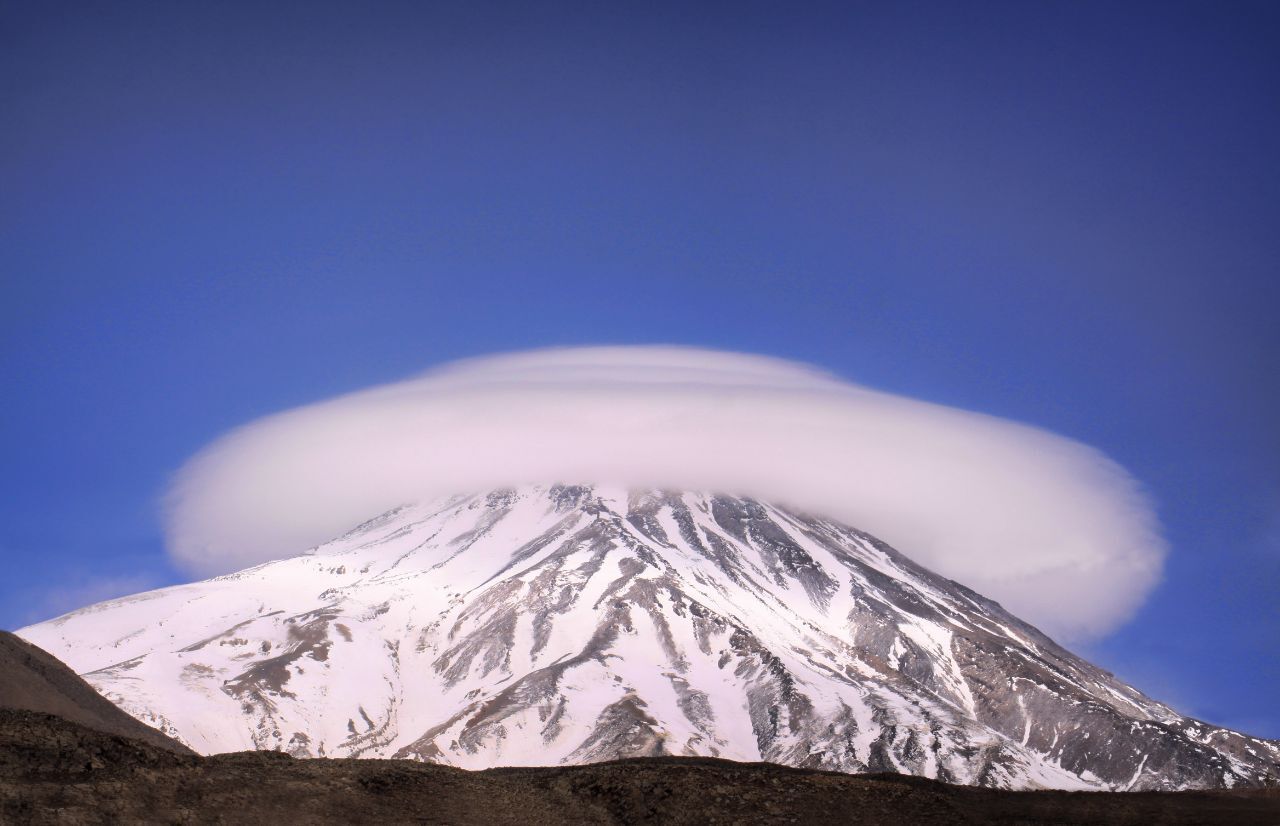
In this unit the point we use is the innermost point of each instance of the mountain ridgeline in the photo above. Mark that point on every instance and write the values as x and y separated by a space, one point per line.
569 625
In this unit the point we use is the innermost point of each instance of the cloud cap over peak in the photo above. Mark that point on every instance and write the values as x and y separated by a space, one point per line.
1051 528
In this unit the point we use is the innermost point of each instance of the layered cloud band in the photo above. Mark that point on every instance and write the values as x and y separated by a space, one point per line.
1051 528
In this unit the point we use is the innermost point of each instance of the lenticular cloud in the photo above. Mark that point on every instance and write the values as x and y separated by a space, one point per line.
1051 528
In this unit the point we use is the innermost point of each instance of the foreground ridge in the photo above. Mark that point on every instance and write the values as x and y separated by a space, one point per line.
569 624
33 680
53 771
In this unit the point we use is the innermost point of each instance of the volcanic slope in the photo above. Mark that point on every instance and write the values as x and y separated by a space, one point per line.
567 625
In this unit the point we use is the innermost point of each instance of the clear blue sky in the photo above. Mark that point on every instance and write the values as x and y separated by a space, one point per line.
1061 213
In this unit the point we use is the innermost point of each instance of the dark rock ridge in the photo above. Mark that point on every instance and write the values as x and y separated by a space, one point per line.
569 625
33 680
56 772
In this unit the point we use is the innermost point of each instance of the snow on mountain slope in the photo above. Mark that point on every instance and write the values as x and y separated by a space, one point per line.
549 625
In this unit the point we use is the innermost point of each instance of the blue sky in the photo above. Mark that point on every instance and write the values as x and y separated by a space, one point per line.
1063 214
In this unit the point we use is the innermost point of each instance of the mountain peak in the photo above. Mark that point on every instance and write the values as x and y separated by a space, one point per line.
566 624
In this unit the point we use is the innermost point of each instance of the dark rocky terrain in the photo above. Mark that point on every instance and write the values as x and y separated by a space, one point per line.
31 679
55 771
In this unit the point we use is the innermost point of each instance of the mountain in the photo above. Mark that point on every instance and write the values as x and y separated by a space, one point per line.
33 681
565 625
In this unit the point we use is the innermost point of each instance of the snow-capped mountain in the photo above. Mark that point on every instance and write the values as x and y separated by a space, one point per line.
549 625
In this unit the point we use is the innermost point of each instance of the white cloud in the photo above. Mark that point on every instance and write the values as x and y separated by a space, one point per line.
1051 528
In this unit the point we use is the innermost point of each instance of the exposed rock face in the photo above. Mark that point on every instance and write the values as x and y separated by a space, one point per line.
32 680
563 625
